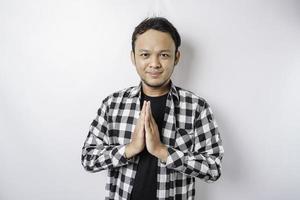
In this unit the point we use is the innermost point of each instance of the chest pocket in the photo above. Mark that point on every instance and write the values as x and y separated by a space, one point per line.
184 139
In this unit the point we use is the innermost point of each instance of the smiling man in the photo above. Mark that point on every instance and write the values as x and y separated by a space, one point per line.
155 138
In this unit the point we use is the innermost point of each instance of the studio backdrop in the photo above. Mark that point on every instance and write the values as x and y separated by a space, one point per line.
59 59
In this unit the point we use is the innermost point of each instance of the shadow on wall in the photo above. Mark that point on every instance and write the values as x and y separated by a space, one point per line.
232 168
232 163
184 69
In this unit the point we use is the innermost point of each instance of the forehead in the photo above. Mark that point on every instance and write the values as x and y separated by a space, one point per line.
154 40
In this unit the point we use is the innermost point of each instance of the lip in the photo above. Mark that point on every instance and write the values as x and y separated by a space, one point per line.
154 74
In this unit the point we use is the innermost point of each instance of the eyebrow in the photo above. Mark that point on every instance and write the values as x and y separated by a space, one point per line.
145 50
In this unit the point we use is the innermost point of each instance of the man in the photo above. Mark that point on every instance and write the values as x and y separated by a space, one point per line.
154 138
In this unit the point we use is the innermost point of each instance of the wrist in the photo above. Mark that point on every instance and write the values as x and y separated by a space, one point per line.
130 150
162 153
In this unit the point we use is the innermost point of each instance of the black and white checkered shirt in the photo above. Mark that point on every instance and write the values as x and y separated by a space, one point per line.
190 132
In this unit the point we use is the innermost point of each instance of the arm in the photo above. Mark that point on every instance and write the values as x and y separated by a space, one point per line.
205 160
97 153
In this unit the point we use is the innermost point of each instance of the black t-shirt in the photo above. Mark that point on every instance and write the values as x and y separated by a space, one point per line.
145 183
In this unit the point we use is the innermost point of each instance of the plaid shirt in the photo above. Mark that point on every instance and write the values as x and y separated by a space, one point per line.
190 133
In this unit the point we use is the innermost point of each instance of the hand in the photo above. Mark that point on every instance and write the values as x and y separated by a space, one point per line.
153 143
137 143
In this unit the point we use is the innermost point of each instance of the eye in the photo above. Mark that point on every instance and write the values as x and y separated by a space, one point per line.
165 55
144 55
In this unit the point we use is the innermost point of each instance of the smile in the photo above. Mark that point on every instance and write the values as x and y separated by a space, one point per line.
154 74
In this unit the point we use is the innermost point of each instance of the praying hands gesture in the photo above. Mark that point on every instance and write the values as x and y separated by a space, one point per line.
146 134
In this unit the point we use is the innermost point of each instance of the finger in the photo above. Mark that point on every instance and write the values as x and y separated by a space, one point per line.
149 107
143 109
147 117
151 118
150 113
143 115
147 123
144 104
142 119
146 111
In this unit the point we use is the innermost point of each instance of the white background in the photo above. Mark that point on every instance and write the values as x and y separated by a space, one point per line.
60 58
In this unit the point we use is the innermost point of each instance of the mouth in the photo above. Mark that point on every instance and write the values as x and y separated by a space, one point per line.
154 74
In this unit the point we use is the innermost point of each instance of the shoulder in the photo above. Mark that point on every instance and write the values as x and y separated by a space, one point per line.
190 97
191 101
118 95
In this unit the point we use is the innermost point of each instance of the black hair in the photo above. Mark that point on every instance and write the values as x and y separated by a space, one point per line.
159 24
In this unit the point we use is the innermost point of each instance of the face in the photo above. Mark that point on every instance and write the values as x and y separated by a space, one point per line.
155 58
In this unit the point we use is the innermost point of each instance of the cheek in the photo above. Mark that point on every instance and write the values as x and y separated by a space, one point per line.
140 68
141 63
169 66
143 67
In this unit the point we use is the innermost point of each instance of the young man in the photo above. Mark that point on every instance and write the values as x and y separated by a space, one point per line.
154 138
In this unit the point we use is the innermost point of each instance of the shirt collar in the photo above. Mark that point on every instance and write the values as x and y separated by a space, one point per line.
136 91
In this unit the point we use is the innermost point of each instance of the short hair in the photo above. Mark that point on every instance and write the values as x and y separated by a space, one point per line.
159 24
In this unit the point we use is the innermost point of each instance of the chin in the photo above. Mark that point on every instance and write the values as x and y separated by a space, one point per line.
155 83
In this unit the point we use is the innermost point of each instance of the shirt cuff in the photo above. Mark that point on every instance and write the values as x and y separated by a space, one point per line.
175 158
118 156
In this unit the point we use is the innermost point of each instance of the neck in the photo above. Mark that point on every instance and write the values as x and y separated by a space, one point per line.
156 91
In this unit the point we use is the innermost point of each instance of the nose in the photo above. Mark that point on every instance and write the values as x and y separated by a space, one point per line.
155 62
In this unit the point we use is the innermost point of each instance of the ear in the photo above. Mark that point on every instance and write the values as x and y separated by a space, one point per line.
177 57
132 57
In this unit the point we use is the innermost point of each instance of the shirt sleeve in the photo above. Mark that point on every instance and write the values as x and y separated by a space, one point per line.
205 160
97 153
